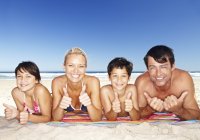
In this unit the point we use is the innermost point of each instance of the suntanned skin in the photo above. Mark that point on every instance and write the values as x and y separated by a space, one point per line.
119 99
75 88
164 88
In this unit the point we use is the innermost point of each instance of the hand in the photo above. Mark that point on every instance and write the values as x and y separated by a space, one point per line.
24 115
66 100
10 112
172 103
84 98
116 104
155 103
128 103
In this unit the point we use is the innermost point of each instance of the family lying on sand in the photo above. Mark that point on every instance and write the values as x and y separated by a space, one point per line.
162 88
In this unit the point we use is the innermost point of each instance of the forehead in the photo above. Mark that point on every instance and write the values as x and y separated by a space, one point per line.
75 57
119 70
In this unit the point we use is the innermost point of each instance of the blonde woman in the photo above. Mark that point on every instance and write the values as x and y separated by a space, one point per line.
75 91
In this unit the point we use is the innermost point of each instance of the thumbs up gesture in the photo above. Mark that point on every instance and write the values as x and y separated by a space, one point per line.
84 98
155 103
116 104
10 112
172 103
128 102
24 115
66 100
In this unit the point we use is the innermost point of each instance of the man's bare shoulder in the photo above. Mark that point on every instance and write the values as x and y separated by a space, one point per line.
179 74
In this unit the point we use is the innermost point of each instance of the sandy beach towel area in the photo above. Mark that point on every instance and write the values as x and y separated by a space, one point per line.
160 130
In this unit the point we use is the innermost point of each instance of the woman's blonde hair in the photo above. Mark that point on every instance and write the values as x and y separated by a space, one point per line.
76 51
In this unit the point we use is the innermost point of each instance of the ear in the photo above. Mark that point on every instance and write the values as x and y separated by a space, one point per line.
173 67
109 77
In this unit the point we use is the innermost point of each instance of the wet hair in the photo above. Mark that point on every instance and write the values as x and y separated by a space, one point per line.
75 51
161 54
30 67
120 62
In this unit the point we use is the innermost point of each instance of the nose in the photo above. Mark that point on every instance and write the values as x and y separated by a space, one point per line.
119 79
75 70
158 72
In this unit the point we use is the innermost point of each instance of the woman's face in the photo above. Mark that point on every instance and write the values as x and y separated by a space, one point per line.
25 81
75 67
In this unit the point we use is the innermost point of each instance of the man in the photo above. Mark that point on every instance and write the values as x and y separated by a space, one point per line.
164 88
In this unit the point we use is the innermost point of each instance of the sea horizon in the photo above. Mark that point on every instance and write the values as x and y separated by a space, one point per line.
52 74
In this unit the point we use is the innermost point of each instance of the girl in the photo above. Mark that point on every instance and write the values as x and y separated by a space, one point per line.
32 99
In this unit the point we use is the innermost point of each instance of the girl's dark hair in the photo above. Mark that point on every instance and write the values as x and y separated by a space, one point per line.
120 62
30 67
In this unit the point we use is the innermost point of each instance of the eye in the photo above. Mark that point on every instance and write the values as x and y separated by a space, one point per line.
151 68
124 76
19 76
82 66
114 75
164 66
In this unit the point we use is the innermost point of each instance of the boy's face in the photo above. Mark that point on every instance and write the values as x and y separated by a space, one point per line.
119 78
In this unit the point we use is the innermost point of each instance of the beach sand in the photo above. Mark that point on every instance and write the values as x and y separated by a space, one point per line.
10 130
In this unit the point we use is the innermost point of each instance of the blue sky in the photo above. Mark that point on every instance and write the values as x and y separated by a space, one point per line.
43 30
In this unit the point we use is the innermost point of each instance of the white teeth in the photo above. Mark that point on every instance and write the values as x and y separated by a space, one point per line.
159 78
75 75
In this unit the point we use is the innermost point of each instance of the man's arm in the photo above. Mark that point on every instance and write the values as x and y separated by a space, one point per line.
184 106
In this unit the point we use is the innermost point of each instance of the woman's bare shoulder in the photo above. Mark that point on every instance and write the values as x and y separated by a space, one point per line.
15 91
59 79
91 79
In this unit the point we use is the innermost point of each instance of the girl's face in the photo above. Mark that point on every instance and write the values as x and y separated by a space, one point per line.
25 81
75 67
119 78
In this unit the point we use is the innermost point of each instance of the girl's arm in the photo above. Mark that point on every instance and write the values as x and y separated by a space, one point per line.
57 112
44 102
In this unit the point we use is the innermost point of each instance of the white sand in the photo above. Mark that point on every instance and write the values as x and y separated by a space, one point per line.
10 130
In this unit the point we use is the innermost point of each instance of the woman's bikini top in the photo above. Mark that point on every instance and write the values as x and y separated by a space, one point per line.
71 108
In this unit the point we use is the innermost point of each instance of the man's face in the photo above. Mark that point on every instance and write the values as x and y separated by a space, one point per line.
160 73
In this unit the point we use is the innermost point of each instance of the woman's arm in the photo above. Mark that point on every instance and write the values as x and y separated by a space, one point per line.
94 109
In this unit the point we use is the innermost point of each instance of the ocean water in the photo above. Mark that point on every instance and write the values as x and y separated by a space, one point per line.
51 75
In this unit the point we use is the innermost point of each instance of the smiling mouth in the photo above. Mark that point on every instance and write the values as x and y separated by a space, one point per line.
75 75
23 85
159 78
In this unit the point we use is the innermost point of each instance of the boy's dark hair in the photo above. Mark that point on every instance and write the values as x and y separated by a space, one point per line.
120 62
30 67
161 54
